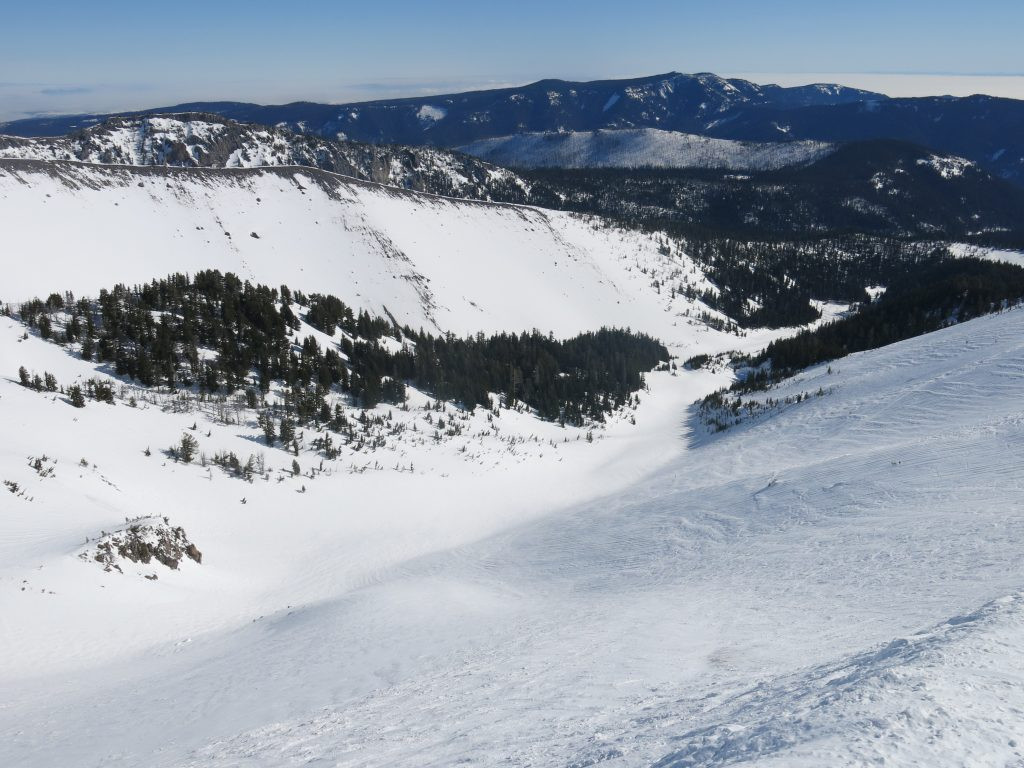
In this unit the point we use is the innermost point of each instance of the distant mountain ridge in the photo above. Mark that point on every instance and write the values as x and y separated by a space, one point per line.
753 189
198 140
986 130
671 101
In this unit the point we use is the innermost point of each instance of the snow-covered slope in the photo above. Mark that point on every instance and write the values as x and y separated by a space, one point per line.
642 147
965 250
835 582
208 141
430 261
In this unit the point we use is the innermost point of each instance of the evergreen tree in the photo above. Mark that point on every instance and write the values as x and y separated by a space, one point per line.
187 448
266 422
88 347
154 333
76 396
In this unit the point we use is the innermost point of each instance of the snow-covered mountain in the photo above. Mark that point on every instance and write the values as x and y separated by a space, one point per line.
639 148
672 101
835 579
764 190
431 261
822 584
983 129
209 141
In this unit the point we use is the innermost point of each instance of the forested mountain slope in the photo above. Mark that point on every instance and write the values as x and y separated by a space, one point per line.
984 129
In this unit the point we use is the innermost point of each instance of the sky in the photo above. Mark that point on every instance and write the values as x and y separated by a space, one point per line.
61 57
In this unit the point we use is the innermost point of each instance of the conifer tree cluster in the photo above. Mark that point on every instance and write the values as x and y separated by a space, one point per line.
587 376
96 389
782 276
218 334
929 297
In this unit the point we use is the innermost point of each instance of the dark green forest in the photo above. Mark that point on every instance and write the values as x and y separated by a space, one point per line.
861 216
929 297
219 334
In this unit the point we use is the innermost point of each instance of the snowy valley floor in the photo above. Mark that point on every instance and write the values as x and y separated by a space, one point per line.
836 582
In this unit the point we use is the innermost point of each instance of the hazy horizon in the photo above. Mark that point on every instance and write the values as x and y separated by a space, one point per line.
22 101
66 58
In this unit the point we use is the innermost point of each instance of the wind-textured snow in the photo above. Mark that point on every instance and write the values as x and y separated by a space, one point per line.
642 147
836 582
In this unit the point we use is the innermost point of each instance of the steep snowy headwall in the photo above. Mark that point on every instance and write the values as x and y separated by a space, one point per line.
430 261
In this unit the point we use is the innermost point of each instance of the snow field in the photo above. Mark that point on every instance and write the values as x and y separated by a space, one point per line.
753 597
834 582
642 147
432 262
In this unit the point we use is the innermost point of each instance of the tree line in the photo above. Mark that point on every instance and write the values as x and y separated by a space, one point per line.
217 333
773 240
925 299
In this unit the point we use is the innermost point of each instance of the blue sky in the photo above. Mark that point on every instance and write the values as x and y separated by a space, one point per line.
75 56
